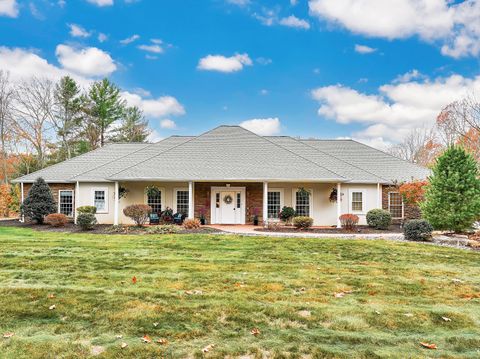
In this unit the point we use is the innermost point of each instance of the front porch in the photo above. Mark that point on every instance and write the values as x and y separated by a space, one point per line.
232 202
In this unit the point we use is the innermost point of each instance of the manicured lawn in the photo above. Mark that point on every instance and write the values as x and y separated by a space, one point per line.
283 287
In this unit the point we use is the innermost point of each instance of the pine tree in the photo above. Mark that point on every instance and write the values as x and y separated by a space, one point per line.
133 128
39 202
452 199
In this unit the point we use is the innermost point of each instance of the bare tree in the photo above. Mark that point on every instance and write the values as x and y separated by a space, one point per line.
6 98
419 146
34 101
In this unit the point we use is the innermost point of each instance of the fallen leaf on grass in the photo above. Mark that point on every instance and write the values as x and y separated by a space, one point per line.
51 296
146 339
408 315
123 345
456 280
377 312
428 345
193 292
446 319
208 348
52 307
134 280
119 336
255 331
155 325
342 293
162 341
8 335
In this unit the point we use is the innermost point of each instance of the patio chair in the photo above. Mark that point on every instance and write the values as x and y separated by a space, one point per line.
178 218
154 218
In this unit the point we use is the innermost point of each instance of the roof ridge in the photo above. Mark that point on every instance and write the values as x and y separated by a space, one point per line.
116 159
339 159
295 154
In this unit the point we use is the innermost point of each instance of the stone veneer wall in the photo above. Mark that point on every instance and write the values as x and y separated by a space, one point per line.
409 211
254 198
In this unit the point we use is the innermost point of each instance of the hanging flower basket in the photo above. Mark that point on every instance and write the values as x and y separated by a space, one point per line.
123 192
333 195
302 191
152 191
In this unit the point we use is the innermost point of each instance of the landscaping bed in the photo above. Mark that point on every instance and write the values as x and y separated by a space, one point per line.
99 228
332 230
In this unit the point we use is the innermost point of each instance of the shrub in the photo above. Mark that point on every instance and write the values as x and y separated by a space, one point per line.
138 213
164 229
86 221
39 202
452 199
413 192
191 223
87 209
379 218
349 221
56 220
302 222
418 230
286 214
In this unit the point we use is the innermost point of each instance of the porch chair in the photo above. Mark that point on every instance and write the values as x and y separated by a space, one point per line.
154 218
178 218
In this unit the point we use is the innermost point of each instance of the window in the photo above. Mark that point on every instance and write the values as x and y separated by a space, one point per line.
302 203
239 200
274 204
182 201
395 204
217 200
65 203
100 200
357 201
155 202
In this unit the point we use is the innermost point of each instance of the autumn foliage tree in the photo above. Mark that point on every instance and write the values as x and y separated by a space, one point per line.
413 192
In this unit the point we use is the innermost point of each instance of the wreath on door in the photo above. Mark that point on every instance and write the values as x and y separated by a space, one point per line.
228 199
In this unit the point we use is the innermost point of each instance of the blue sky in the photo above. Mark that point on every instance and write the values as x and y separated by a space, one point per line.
366 69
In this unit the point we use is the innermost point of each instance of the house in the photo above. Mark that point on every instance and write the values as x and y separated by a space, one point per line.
230 174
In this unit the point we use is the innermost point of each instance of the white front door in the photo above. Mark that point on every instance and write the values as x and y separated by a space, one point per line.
228 207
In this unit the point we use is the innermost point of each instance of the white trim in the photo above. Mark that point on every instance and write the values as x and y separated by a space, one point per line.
191 212
364 200
265 203
339 204
77 200
294 200
174 200
282 200
73 199
105 189
403 205
163 201
216 189
379 196
22 217
116 199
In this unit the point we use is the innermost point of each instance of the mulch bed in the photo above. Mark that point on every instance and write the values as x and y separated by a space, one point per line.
332 230
99 228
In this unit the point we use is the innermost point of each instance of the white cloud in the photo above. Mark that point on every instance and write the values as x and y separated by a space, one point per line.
263 60
239 2
409 76
8 8
363 49
454 25
151 57
293 21
160 107
224 64
396 108
154 137
168 124
156 49
264 92
142 92
263 126
89 61
102 37
293 2
130 39
78 31
101 2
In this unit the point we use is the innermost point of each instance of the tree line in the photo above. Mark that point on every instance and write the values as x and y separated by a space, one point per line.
43 122
457 124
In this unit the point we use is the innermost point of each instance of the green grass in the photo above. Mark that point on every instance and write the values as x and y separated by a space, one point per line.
246 282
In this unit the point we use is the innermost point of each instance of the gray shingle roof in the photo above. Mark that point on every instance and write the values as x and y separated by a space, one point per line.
234 153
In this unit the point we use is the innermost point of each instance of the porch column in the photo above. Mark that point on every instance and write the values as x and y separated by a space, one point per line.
191 209
115 205
265 202
76 202
22 218
339 204
379 196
